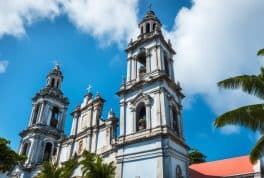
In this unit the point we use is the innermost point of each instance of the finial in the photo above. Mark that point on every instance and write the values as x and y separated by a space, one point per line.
150 6
57 64
89 88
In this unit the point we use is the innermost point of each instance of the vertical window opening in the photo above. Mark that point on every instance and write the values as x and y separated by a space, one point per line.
25 149
47 152
58 83
52 82
175 124
154 26
141 117
35 116
142 61
166 65
147 28
54 117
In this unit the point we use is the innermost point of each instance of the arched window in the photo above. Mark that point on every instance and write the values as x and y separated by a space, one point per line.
175 124
154 26
54 117
147 28
58 83
52 82
141 58
166 65
178 172
141 117
35 116
25 148
47 151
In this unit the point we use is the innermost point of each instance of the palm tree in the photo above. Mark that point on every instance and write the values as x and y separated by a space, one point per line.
50 170
93 166
251 116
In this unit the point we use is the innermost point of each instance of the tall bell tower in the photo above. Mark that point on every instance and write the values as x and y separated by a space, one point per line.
151 142
46 124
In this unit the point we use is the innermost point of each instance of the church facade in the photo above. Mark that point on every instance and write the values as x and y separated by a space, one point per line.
150 143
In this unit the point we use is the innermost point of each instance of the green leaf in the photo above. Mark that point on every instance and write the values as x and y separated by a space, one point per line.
261 52
253 85
257 152
251 116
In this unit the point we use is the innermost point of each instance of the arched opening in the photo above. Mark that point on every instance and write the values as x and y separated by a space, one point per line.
52 82
147 28
141 117
142 61
35 116
153 27
178 172
58 84
25 148
166 65
141 30
175 124
54 117
47 151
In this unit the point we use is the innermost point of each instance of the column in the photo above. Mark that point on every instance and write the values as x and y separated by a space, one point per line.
134 68
148 67
171 69
62 119
40 113
122 118
32 114
158 109
128 69
162 107
134 120
148 114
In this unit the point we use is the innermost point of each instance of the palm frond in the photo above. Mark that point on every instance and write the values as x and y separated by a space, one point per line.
261 52
253 84
257 152
251 116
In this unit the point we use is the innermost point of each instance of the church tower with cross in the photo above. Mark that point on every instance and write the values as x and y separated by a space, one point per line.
45 129
151 142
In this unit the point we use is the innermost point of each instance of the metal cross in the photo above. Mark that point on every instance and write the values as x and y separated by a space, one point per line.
56 63
89 88
150 7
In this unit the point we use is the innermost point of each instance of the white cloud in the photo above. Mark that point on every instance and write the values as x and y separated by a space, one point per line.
215 40
3 66
15 15
107 20
230 129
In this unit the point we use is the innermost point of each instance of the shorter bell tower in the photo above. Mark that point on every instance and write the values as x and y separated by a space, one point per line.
46 123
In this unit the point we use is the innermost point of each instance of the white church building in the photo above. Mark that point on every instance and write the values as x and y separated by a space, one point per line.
151 142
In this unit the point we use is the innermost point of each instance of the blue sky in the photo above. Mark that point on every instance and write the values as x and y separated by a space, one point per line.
212 41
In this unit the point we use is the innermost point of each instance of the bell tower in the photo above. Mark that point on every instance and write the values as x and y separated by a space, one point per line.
151 130
46 123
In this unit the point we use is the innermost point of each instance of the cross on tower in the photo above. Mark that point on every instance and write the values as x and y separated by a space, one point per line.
150 7
56 63
89 88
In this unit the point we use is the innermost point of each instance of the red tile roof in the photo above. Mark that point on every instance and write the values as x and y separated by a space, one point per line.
222 168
